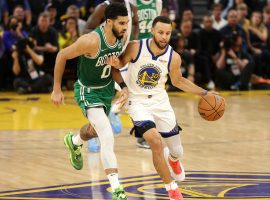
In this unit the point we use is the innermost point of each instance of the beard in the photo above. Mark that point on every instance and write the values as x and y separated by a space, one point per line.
116 33
159 45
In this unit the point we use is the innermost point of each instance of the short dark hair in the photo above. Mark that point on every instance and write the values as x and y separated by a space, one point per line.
161 19
114 10
216 5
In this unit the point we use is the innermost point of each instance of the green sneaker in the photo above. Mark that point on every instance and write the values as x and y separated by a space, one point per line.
75 155
119 194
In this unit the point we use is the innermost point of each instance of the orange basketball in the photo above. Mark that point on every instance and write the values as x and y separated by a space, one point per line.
211 107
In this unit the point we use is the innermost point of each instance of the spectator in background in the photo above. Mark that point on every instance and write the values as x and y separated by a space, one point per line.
209 39
266 17
242 13
10 36
26 67
233 27
187 15
187 65
69 34
184 5
37 7
234 66
2 64
218 21
47 41
3 14
191 38
26 6
258 35
54 22
20 14
191 42
13 33
73 11
62 6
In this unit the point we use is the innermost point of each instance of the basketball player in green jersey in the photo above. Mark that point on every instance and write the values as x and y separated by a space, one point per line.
94 89
94 20
148 10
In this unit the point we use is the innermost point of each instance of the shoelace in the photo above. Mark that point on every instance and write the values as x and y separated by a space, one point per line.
78 151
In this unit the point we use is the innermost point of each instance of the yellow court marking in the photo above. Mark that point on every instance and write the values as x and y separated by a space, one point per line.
19 112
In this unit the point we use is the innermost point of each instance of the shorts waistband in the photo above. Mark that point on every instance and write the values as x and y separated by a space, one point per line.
93 87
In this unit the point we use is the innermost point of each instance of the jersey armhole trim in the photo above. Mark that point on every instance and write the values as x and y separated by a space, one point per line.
170 59
98 48
138 55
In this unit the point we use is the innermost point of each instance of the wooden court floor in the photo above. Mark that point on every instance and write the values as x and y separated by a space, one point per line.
226 159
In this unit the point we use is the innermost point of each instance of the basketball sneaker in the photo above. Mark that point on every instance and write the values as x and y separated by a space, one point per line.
75 155
175 194
176 168
141 143
119 194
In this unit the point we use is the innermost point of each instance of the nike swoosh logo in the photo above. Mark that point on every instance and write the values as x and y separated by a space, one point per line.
103 49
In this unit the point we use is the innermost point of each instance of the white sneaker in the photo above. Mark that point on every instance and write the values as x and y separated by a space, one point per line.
176 168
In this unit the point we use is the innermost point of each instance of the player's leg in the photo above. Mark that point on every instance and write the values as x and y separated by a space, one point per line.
144 126
149 132
173 153
169 130
101 124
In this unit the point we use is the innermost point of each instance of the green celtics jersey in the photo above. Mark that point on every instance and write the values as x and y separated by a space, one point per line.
147 12
94 72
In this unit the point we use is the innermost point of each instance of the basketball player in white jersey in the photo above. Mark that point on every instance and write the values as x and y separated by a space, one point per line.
150 61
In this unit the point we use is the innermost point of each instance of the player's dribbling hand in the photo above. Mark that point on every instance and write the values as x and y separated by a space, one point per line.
113 61
57 97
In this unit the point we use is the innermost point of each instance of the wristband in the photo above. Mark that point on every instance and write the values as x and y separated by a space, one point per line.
122 85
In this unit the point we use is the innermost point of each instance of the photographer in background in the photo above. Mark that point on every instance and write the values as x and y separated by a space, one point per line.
13 33
234 66
47 41
26 61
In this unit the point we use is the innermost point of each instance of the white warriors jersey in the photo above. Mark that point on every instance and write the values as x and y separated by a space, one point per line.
147 74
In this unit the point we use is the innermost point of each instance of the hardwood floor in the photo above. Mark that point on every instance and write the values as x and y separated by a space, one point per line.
226 158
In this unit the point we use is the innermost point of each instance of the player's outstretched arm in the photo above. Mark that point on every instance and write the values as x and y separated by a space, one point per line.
127 56
80 47
181 82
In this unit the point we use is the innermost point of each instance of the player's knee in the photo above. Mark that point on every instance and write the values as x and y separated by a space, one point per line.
87 132
177 151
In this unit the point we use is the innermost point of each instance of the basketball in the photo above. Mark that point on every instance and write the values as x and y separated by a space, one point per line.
211 107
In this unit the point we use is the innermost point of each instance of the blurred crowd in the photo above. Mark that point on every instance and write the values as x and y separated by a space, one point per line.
228 49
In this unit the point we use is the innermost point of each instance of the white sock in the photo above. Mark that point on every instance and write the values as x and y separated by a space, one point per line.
76 140
113 178
171 186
